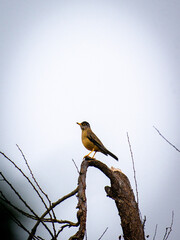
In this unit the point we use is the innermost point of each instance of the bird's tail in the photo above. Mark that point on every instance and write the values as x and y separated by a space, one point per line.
112 155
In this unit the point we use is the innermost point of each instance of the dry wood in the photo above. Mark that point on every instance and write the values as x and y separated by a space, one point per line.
120 191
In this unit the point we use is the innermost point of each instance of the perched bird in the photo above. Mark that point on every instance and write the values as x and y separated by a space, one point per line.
92 142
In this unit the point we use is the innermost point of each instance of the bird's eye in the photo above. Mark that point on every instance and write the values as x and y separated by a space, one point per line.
84 124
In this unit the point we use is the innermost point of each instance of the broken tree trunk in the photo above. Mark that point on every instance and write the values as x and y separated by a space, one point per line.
120 191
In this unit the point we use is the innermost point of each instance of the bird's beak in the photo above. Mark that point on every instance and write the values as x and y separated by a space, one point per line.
79 124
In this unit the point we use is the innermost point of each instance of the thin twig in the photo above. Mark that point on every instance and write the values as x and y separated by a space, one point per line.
19 196
4 199
24 176
166 139
75 166
31 171
30 184
169 229
133 168
62 228
38 187
155 232
50 208
64 198
69 224
60 221
103 233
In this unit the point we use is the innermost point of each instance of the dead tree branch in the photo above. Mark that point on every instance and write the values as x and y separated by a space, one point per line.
120 191
34 215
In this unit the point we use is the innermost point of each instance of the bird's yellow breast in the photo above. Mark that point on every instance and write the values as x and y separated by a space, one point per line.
87 143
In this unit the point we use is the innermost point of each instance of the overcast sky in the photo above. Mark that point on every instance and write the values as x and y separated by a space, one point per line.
114 64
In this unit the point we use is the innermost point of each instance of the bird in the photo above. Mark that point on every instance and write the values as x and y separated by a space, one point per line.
92 142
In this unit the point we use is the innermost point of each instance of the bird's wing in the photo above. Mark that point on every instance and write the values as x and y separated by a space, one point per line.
93 138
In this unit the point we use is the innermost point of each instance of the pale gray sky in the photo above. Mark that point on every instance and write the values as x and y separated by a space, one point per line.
114 64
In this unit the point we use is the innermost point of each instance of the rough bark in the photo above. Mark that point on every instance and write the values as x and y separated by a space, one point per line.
82 203
120 191
127 207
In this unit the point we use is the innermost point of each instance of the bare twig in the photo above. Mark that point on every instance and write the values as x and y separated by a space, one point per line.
155 232
132 157
4 199
25 177
69 224
32 172
31 185
19 196
76 166
60 221
33 231
169 229
64 198
62 228
166 139
103 233
38 187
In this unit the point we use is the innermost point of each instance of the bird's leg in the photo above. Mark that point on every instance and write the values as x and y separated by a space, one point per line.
94 155
89 154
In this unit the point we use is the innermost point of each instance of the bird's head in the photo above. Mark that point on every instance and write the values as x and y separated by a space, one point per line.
84 125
